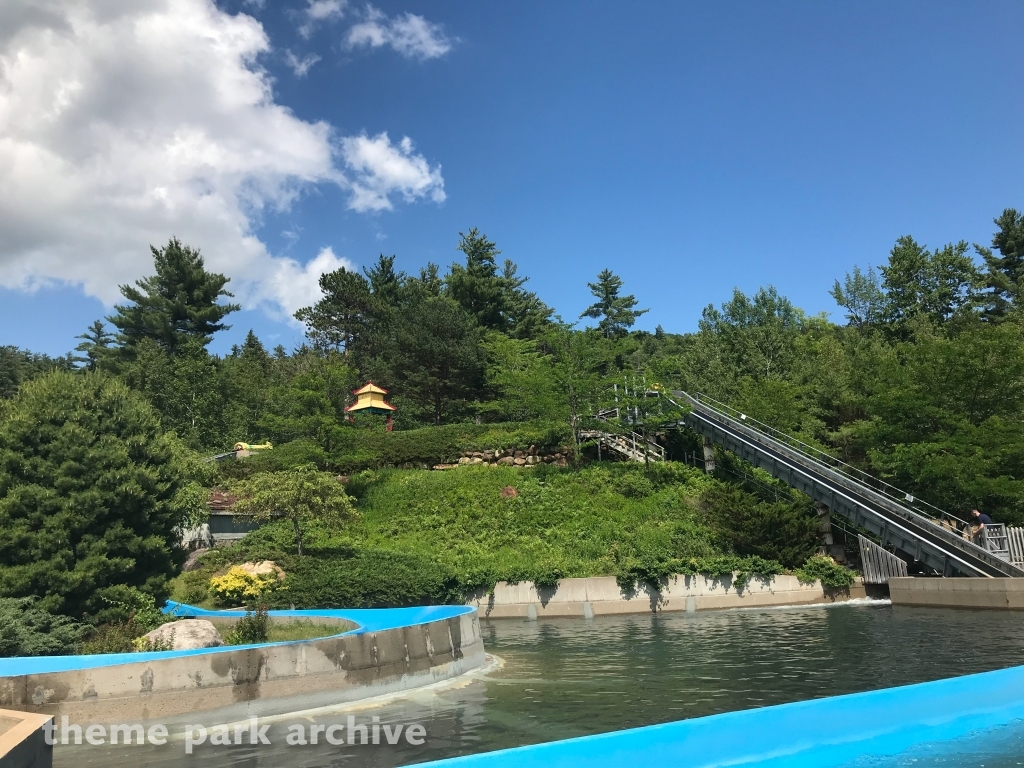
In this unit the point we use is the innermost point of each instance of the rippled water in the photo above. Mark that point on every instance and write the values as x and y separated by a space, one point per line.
572 677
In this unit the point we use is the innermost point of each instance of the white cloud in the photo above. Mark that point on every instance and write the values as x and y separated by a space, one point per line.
319 11
300 66
412 36
382 169
123 122
297 285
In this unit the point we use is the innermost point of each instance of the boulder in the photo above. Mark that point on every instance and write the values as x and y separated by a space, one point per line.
506 461
185 635
533 450
464 460
263 568
519 461
476 460
520 455
533 459
508 492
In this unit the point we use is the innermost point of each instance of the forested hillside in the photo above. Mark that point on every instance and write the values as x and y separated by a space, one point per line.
919 380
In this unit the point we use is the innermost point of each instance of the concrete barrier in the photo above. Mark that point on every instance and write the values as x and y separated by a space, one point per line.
1005 594
602 595
831 731
23 740
392 650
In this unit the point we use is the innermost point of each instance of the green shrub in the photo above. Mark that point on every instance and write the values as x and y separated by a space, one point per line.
634 485
251 628
89 487
357 449
27 630
784 531
825 569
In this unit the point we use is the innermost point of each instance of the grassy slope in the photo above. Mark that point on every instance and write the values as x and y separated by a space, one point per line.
429 536
563 522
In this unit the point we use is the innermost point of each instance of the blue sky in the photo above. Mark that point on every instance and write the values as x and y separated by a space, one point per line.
691 148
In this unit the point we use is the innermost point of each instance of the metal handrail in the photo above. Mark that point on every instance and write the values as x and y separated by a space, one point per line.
812 452
634 438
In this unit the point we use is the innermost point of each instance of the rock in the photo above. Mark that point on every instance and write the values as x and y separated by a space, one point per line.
476 460
193 559
520 455
506 461
263 568
185 635
519 461
464 460
547 459
508 492
533 450
561 462
477 455
533 460
488 455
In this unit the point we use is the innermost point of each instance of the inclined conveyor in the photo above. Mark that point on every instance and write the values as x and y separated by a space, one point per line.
929 536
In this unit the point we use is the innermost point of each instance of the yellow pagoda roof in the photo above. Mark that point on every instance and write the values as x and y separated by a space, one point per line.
370 398
370 387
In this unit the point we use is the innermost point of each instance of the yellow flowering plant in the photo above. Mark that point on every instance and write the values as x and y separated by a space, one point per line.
239 586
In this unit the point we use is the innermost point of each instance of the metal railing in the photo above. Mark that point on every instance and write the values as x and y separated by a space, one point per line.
953 522
629 442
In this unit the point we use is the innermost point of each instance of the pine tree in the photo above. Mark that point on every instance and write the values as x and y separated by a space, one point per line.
338 320
1005 276
177 304
95 345
615 313
477 287
88 494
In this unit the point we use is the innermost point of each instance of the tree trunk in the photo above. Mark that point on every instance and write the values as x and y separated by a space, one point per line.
298 534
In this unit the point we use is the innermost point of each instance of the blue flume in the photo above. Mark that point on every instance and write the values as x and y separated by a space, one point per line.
367 619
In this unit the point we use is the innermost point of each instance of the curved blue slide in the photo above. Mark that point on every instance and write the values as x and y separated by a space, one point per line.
366 619
831 731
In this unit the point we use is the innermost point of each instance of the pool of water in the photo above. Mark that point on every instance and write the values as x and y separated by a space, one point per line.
572 677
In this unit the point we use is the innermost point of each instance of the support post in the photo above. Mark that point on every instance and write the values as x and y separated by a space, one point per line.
826 545
709 455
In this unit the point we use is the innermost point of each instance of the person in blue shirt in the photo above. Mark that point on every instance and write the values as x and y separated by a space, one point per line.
981 521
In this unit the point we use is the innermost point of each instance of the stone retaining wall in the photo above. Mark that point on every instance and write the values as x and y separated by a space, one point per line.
513 457
254 680
601 595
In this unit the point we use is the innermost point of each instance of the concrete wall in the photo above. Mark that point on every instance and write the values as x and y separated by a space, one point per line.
856 729
958 592
254 680
602 595
22 740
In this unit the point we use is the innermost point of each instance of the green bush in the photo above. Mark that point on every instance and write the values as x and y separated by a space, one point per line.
825 569
784 531
357 449
28 630
251 628
88 494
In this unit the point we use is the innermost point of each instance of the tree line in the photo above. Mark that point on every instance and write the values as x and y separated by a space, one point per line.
922 382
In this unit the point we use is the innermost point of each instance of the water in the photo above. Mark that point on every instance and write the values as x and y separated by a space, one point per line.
573 677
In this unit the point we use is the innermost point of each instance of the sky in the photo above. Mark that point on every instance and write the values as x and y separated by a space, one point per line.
691 148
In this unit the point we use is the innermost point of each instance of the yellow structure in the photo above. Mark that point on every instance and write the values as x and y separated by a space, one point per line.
248 447
370 399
